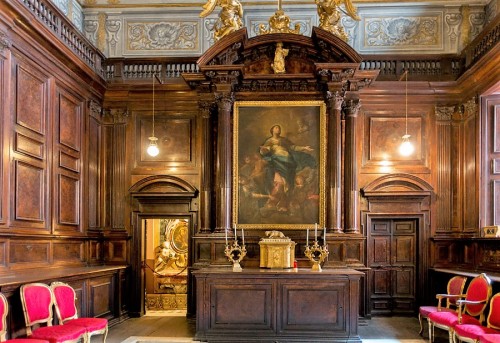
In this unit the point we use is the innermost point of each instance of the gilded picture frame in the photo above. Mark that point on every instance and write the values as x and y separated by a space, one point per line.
279 154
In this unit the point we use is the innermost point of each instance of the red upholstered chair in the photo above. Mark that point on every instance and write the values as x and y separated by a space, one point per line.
470 310
454 291
65 296
490 338
472 333
4 310
37 300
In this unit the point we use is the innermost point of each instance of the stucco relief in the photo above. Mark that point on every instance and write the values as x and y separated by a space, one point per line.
90 30
172 35
403 31
113 27
453 21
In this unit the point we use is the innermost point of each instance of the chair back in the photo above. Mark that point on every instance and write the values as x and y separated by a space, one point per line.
64 298
4 310
37 304
455 287
479 290
494 315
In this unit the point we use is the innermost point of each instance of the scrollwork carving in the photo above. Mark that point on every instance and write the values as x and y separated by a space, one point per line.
5 42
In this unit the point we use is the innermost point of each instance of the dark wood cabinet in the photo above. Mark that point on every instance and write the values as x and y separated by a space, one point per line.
277 306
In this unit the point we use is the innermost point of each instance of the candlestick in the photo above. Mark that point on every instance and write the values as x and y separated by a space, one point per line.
316 232
307 237
243 236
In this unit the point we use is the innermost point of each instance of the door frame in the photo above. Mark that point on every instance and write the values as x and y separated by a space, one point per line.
401 196
157 196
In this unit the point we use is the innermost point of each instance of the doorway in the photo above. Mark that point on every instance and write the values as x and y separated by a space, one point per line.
166 262
393 259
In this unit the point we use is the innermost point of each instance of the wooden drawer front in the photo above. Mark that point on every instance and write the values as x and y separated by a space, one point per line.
318 308
237 306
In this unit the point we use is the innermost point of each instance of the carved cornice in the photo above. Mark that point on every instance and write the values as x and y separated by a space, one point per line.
444 112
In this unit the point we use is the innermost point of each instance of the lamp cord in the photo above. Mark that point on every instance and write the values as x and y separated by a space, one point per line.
406 102
154 75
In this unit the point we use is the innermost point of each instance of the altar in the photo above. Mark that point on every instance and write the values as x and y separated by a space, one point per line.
265 305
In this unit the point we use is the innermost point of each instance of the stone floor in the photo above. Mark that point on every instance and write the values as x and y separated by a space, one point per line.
175 328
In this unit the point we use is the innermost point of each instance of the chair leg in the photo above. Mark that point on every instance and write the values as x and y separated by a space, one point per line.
105 335
431 329
421 324
451 335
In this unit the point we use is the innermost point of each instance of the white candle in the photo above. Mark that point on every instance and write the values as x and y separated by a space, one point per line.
225 230
235 237
324 235
316 232
307 237
243 236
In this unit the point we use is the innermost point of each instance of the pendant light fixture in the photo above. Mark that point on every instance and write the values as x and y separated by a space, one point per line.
406 148
153 145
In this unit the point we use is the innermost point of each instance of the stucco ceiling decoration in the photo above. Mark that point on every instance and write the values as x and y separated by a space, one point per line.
178 3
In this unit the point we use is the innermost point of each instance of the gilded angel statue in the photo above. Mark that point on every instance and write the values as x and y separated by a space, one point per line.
329 16
229 17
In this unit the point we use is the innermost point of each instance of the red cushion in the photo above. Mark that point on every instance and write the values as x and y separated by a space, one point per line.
489 338
25 340
59 333
450 319
65 300
425 310
90 324
472 331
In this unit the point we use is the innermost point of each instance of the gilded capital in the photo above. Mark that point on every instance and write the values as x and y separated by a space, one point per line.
444 112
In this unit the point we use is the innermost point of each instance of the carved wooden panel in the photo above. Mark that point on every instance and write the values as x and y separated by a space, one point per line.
3 253
382 139
29 253
29 146
101 290
69 201
117 251
4 98
470 196
443 170
94 167
69 122
31 100
175 141
29 193
231 308
69 162
95 253
68 252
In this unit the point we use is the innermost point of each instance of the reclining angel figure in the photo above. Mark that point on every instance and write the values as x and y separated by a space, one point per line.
329 16
229 17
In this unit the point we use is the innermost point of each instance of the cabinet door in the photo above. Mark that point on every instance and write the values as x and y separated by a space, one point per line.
101 291
242 304
318 307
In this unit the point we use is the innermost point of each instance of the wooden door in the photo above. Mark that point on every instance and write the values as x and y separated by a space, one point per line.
392 257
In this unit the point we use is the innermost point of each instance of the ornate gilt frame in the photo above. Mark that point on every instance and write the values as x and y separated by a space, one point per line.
302 123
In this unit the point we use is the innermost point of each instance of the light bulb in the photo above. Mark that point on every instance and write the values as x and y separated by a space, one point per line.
153 148
406 148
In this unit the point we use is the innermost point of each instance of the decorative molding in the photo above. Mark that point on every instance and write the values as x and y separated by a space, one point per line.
5 42
162 36
453 21
403 31
470 108
444 113
113 27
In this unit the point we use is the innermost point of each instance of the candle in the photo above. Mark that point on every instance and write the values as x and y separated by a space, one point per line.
307 237
225 230
324 235
316 232
235 237
243 236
